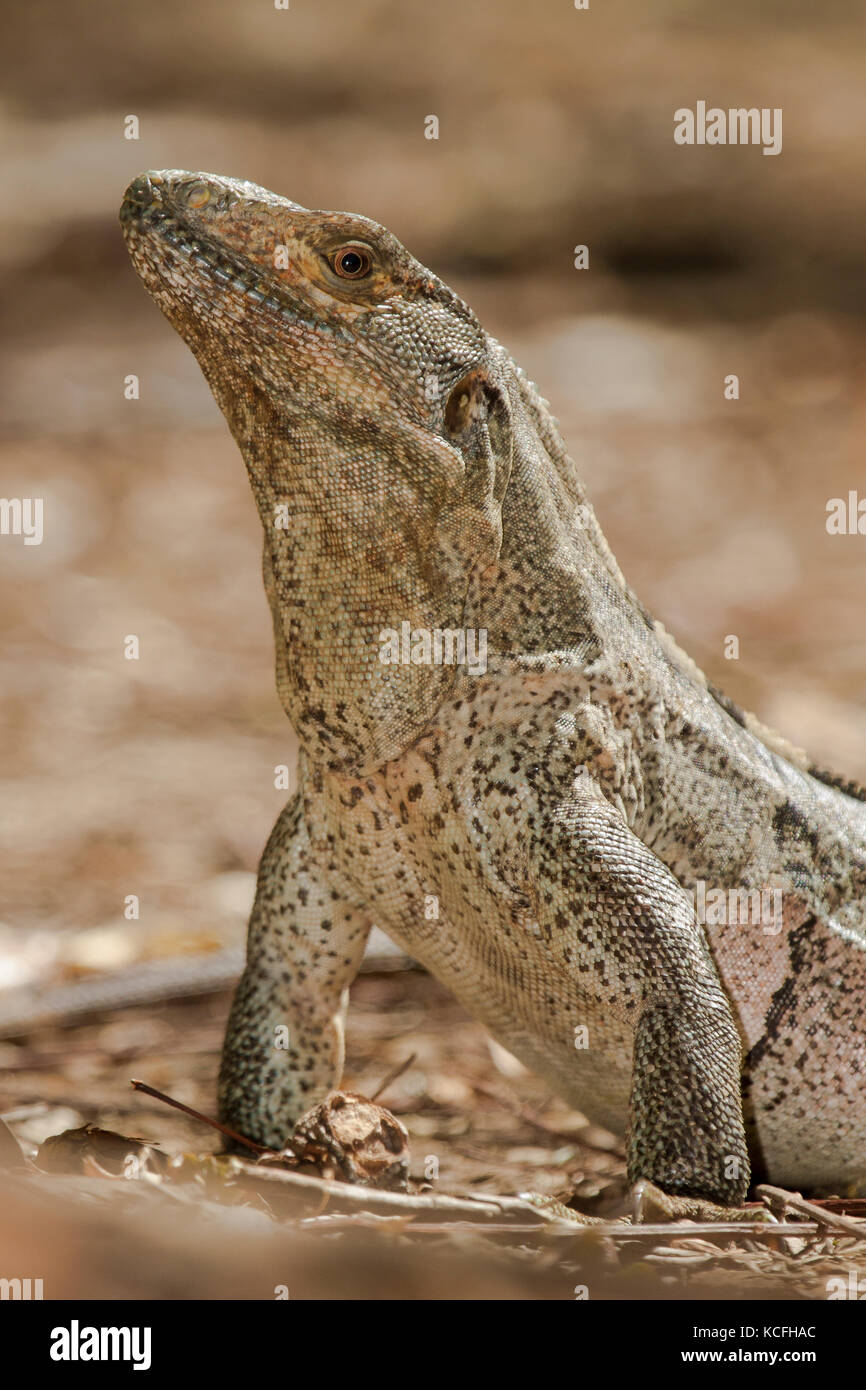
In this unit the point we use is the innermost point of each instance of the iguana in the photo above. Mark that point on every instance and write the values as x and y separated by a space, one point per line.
505 762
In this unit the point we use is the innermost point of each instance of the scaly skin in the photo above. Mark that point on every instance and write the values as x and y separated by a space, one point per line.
557 808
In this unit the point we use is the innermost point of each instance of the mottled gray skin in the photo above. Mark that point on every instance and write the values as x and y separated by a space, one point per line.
558 808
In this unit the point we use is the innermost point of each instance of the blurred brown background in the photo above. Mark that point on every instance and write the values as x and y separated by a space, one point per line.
155 777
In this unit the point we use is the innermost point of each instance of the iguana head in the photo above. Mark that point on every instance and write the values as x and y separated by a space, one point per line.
369 407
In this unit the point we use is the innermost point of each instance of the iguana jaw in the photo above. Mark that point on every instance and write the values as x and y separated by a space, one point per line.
206 249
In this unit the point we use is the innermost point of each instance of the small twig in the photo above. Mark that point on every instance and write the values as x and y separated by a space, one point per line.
392 1076
205 1119
415 1228
673 1230
486 1208
843 1225
355 1195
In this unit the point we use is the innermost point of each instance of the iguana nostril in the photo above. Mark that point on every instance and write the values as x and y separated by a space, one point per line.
138 196
140 190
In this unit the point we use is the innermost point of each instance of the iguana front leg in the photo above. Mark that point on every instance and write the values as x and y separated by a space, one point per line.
632 937
284 1042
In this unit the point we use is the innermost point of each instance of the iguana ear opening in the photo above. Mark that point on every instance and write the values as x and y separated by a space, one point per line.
478 423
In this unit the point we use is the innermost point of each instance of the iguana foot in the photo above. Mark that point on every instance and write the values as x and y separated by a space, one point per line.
650 1204
551 1207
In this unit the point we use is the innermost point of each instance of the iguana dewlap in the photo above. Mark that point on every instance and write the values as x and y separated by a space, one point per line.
571 829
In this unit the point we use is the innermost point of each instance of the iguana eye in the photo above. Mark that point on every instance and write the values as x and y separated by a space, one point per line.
197 194
351 262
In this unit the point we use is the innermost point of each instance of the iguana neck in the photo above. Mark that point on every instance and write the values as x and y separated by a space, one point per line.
339 578
554 586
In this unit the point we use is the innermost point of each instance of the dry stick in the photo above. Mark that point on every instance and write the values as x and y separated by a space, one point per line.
844 1225
423 1228
353 1195
392 1076
487 1207
205 1119
682 1230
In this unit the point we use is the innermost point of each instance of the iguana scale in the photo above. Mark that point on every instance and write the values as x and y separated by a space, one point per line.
536 828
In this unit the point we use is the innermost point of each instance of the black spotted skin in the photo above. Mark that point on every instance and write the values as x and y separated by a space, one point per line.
560 805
